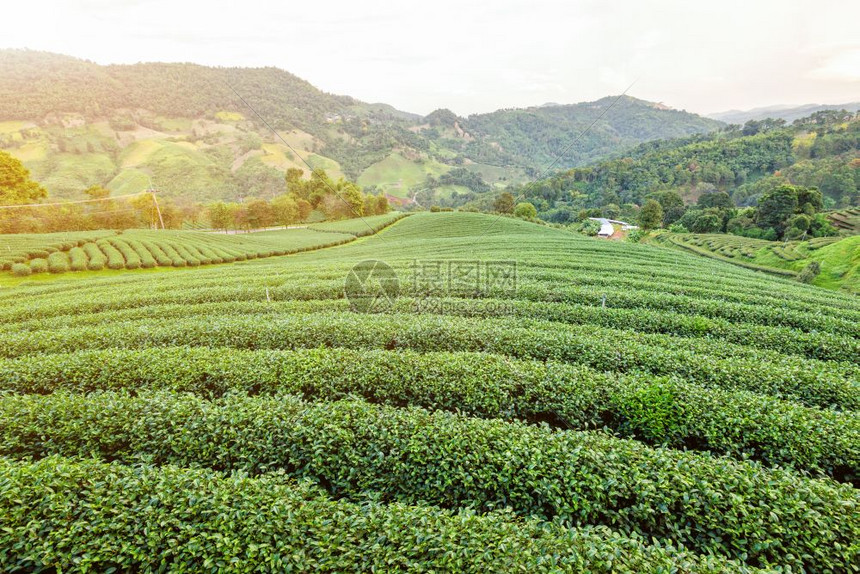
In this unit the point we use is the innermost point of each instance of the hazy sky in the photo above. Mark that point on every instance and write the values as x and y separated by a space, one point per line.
700 55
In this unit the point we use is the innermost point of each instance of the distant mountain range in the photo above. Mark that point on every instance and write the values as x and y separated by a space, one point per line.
75 124
785 112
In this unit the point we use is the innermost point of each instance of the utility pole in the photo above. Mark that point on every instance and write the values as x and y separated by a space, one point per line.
153 191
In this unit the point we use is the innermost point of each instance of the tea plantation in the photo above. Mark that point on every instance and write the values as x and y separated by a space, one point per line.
517 399
837 258
26 254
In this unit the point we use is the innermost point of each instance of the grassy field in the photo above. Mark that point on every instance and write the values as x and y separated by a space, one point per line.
526 399
396 174
839 257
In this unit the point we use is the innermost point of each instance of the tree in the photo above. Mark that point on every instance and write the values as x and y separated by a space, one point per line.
525 210
285 209
295 182
672 204
776 206
305 209
504 203
707 223
220 216
382 205
611 211
16 187
347 201
97 192
260 214
809 199
718 199
651 215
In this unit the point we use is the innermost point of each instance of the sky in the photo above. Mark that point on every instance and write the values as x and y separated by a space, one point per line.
704 56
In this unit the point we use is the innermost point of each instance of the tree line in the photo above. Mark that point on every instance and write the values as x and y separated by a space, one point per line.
341 199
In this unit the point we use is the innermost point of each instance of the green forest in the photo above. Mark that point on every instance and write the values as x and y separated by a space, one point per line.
742 164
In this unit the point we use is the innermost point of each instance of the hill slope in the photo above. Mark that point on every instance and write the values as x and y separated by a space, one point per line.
839 258
182 125
731 397
823 152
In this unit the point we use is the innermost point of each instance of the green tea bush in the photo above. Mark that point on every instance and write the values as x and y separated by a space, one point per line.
147 261
21 270
115 260
157 254
38 265
195 252
210 256
132 259
58 262
97 259
709 364
78 259
712 505
120 516
186 256
176 260
658 411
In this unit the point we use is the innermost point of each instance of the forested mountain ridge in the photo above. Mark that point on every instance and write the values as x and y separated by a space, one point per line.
543 133
821 151
787 113
75 124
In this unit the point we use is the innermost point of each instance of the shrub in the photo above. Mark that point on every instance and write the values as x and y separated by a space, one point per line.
38 265
637 235
147 260
176 259
115 260
58 262
657 410
21 270
810 272
588 227
770 234
525 210
282 527
78 259
186 255
709 363
129 255
448 460
97 259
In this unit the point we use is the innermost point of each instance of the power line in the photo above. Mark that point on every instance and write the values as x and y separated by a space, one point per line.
91 213
71 202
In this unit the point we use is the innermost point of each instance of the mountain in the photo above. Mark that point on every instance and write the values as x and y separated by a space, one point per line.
821 151
182 128
780 112
534 137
